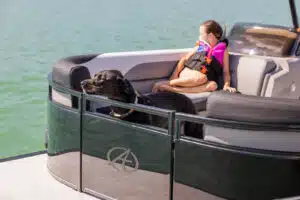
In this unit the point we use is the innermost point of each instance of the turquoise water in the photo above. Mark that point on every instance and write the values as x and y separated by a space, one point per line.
35 34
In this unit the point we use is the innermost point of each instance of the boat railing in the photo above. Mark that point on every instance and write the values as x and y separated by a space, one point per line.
219 169
80 100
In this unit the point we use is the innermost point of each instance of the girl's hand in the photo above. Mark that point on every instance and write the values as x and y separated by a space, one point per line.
229 89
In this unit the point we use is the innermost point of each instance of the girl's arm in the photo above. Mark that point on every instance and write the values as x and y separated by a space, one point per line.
181 62
226 73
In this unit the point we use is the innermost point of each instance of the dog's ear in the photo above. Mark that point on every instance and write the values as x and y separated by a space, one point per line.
128 87
117 73
127 90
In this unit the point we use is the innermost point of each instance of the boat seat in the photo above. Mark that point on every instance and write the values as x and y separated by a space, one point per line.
253 109
198 99
247 75
143 76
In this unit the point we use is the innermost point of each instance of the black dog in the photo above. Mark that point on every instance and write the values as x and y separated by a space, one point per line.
112 84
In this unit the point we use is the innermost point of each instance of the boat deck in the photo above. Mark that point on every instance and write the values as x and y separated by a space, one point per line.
28 179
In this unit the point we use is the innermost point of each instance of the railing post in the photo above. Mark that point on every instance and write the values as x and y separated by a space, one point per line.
171 122
82 107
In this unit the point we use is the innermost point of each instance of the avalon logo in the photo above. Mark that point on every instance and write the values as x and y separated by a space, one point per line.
118 157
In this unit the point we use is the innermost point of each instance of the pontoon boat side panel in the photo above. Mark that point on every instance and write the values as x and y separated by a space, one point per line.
233 173
123 161
64 144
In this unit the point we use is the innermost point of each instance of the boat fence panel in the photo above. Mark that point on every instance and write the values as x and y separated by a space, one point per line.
204 168
124 160
63 138
111 158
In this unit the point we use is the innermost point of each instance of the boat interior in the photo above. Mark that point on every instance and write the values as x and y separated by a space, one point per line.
250 148
251 140
267 83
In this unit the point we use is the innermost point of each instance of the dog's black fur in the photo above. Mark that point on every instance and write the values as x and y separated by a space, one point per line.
112 84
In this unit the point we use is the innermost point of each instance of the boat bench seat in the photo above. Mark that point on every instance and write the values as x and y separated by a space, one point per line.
253 109
249 76
199 99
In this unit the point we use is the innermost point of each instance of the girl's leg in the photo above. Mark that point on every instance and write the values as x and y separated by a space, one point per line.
189 81
158 85
207 87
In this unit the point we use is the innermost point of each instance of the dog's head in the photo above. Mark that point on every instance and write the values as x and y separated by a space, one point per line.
110 83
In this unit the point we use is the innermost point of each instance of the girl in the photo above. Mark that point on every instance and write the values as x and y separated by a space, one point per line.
199 70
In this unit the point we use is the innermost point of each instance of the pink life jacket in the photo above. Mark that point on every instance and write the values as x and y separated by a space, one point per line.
207 60
217 51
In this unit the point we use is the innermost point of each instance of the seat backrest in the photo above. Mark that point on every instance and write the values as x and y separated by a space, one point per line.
253 109
144 75
248 73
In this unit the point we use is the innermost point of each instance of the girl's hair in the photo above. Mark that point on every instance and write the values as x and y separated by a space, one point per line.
213 27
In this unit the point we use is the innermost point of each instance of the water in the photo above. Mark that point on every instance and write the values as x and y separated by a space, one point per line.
35 34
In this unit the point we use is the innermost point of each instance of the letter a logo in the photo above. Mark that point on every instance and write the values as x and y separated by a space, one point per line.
118 157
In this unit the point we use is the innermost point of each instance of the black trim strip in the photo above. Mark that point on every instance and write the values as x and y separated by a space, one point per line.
22 156
62 152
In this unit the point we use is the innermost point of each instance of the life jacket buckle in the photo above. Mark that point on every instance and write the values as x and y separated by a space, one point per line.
208 60
203 69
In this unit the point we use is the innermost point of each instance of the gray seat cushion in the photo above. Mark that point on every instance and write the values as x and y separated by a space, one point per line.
248 73
151 71
248 108
199 99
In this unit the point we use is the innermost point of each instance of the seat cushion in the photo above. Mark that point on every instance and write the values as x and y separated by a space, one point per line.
151 71
248 108
253 109
70 71
248 73
199 99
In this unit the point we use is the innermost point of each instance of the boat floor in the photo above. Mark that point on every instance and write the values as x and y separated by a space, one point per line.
28 179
